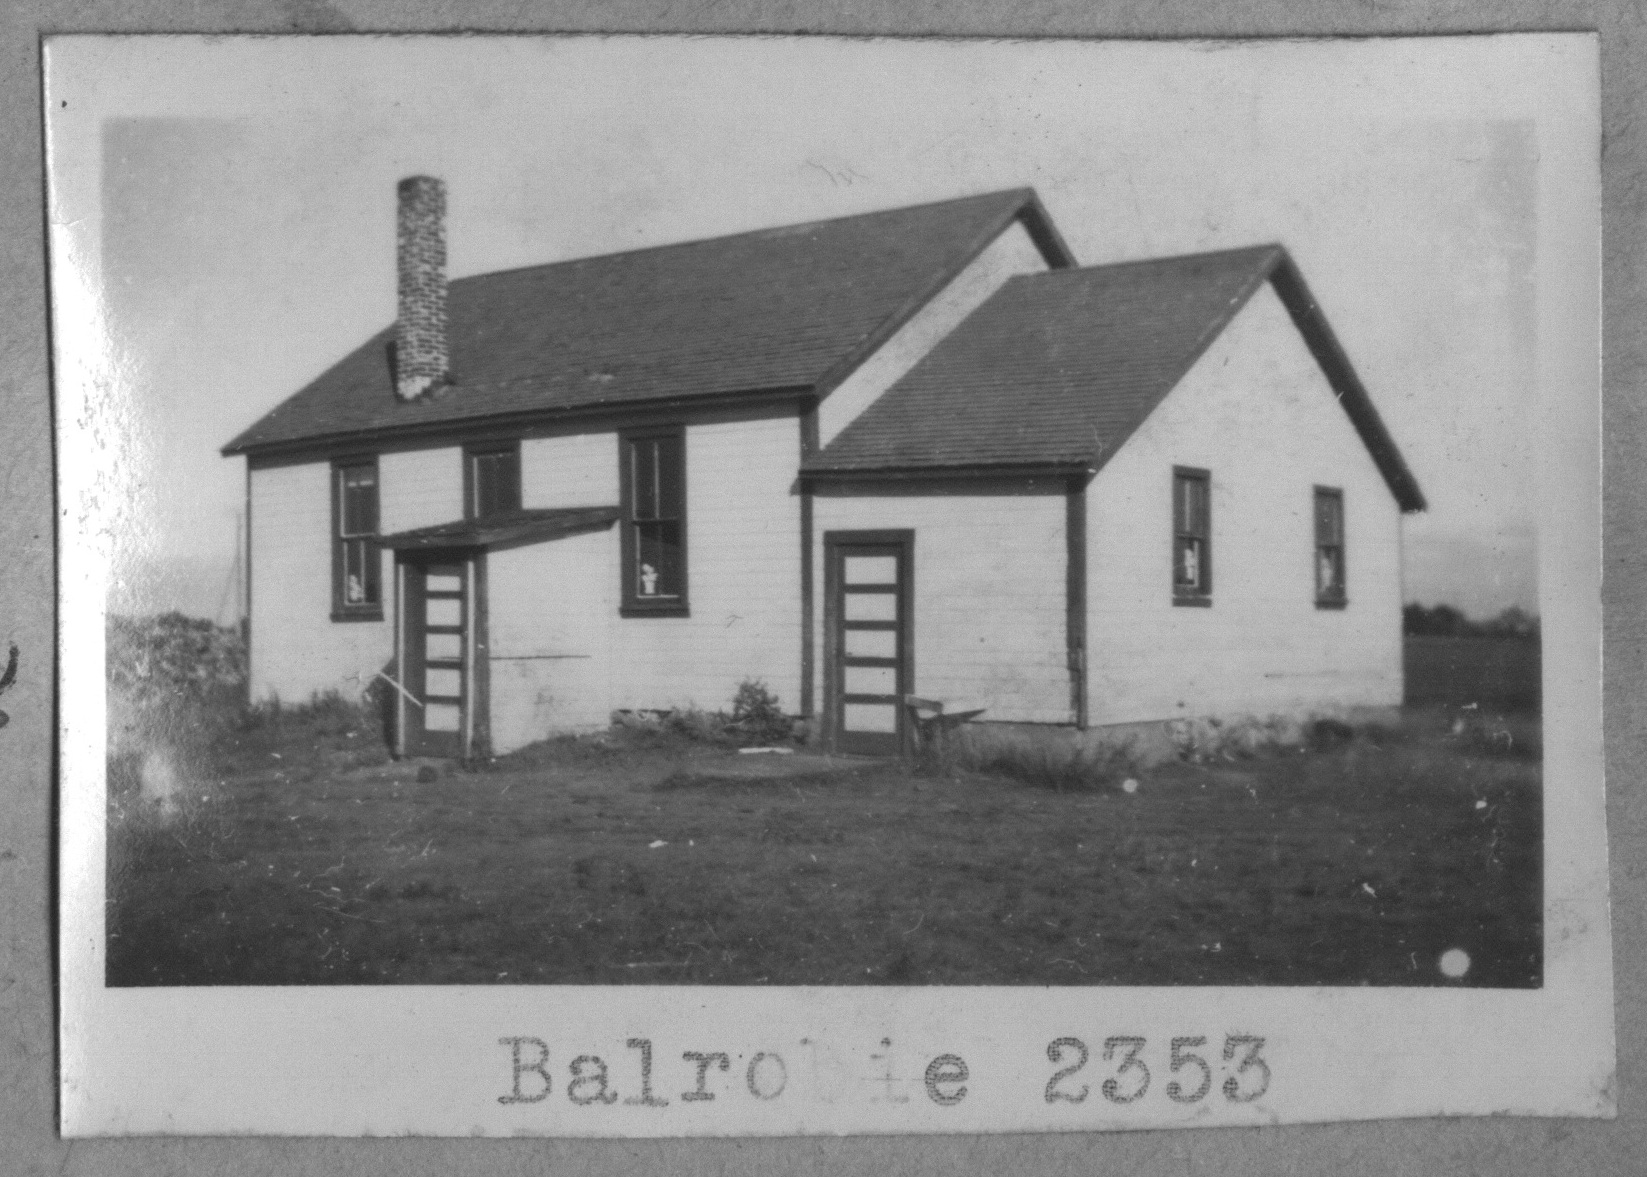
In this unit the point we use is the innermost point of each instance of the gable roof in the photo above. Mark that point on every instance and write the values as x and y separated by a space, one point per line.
1056 370
793 308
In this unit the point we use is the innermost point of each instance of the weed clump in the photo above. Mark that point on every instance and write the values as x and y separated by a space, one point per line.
1496 737
757 718
1241 738
1061 765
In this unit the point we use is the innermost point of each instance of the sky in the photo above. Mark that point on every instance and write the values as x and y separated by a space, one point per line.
247 218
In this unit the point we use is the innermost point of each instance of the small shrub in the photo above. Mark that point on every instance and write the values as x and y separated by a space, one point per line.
705 727
1327 734
757 715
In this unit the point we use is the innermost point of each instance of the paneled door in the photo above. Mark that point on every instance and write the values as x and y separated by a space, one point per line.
437 668
869 639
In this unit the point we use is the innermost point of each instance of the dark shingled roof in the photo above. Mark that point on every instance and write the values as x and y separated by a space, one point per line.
776 309
505 529
1058 369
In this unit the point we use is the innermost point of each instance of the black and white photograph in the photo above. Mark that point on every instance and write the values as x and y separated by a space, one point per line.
905 540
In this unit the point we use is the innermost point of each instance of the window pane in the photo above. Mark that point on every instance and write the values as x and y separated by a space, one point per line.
870 717
644 459
671 558
359 513
871 643
443 611
1186 572
671 481
497 482
871 606
444 645
871 680
374 566
648 561
658 560
354 573
870 569
440 717
360 572
1329 572
1329 519
438 680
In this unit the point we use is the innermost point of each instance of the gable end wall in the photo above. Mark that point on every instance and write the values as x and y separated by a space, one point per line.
1257 412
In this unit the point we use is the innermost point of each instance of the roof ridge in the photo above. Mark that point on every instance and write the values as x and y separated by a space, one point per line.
1022 192
1274 247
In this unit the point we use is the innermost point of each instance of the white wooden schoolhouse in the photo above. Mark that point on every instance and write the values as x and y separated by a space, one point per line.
917 452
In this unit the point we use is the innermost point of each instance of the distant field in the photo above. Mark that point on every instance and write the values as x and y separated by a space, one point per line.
1499 674
308 858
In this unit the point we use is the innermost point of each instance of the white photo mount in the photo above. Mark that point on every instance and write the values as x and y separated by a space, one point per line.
543 1060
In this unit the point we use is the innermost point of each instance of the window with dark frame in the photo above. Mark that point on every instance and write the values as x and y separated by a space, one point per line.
1329 548
357 568
1191 536
654 510
493 480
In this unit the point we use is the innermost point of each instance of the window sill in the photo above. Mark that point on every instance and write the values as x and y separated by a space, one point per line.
360 615
1194 602
661 610
1335 604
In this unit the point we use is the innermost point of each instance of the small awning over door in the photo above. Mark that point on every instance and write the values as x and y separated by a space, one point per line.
503 530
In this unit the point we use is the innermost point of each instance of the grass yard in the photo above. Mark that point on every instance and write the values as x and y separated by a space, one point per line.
306 857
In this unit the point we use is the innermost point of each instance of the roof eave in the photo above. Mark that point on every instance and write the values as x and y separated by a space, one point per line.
520 420
1334 362
1056 468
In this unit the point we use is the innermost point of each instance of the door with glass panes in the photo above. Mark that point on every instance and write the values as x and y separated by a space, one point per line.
437 617
869 639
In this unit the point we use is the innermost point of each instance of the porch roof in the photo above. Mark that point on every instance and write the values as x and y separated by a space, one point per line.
504 530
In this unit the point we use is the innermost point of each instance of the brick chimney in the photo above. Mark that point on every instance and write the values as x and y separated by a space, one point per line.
420 326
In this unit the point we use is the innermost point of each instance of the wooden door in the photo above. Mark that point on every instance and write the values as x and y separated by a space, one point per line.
869 639
436 633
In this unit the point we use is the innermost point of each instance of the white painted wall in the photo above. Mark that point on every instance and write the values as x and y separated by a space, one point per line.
1013 252
1258 413
744 577
561 597
577 470
743 572
297 649
989 595
552 608
419 488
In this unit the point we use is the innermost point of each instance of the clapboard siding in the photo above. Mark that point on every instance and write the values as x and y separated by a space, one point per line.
551 611
297 649
743 576
1257 412
743 562
576 470
1013 252
989 595
420 488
